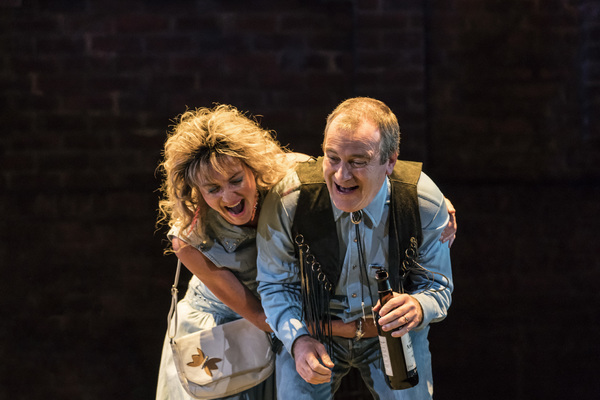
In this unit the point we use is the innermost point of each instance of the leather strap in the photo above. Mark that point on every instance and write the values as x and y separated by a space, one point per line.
173 309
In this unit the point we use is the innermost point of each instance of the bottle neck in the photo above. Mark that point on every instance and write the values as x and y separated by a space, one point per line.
384 296
383 282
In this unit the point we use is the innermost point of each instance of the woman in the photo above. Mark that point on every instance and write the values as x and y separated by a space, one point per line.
218 165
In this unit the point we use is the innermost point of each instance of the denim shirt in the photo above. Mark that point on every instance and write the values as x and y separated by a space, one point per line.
227 246
278 269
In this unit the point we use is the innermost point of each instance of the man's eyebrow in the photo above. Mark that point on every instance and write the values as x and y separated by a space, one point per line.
365 156
361 155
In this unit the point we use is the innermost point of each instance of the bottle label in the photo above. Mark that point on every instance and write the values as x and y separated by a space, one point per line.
409 354
385 354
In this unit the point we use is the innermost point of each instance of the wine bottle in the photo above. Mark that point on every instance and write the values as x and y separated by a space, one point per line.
397 353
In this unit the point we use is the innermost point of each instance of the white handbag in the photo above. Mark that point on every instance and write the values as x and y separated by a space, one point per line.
221 361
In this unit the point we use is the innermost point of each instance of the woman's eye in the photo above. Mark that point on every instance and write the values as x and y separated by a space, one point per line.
213 189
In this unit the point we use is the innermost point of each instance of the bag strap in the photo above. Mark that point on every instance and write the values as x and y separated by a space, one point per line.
173 310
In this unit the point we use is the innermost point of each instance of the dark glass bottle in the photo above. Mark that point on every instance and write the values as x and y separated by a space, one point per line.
397 353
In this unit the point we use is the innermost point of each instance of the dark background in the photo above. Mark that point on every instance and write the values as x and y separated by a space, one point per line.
499 99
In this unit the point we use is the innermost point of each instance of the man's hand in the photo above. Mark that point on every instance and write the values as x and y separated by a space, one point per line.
312 361
401 311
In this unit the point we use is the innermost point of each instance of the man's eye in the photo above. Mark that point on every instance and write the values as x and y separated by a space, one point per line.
359 164
333 160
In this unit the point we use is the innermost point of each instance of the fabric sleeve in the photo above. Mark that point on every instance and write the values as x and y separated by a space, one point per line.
278 272
433 288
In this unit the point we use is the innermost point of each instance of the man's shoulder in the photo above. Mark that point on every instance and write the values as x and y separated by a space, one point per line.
428 191
431 201
305 173
406 172
288 185
310 171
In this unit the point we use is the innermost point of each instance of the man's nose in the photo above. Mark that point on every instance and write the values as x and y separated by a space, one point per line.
343 172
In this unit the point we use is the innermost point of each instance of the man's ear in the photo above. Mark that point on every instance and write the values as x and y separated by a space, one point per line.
391 163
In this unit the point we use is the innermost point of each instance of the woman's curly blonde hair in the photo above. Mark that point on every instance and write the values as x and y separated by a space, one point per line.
202 139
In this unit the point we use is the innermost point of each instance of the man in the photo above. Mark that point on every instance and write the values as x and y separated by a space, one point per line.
322 235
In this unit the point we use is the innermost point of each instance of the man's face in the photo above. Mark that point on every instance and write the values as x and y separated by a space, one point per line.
352 167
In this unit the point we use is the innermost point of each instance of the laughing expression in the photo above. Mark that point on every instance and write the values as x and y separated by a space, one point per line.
352 167
231 192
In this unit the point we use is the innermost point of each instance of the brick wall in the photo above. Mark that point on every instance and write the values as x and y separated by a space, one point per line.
533 64
499 98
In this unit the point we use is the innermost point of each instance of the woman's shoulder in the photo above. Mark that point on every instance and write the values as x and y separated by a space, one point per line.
192 237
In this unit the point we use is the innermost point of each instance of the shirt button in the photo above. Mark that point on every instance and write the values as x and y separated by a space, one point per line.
355 240
354 267
354 295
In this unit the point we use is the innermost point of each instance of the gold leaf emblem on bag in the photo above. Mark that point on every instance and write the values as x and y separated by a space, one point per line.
202 361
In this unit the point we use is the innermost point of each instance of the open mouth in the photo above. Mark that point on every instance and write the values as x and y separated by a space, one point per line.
237 209
345 190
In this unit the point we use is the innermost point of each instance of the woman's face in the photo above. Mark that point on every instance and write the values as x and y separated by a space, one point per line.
231 192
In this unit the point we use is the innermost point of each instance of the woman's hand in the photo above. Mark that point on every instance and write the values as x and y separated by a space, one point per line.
449 233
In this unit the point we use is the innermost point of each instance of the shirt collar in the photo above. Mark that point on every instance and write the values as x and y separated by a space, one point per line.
229 236
374 211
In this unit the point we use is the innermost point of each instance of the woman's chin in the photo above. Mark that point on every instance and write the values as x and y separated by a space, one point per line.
239 219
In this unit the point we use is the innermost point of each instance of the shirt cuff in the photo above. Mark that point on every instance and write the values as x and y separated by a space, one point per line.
290 331
428 306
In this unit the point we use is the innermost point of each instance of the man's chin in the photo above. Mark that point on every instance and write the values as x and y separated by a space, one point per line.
345 205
